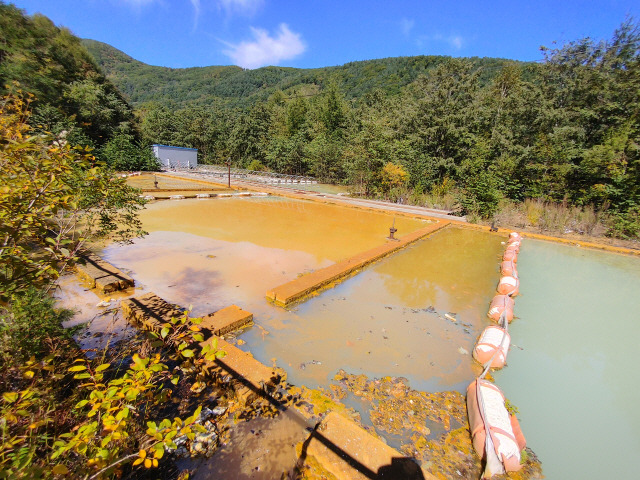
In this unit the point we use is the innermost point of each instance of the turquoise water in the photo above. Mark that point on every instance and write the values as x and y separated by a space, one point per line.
572 372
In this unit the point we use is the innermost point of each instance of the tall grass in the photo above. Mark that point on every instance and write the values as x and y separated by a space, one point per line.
557 218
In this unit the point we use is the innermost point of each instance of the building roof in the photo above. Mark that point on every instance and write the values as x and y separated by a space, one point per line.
177 148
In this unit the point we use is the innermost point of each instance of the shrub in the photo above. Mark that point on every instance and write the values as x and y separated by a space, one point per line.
626 225
28 326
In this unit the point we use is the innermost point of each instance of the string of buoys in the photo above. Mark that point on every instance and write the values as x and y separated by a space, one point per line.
496 434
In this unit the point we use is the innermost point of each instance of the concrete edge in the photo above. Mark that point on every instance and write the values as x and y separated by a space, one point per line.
306 285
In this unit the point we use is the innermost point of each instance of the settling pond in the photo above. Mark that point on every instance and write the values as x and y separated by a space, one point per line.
574 381
415 314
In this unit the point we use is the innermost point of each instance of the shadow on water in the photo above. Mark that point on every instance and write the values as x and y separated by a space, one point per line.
401 468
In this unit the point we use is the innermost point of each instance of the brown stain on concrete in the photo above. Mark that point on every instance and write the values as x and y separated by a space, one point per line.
301 287
339 440
101 275
226 320
249 377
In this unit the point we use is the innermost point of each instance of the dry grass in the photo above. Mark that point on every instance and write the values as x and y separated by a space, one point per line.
405 196
554 218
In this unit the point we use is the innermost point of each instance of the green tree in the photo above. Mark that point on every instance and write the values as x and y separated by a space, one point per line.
54 199
123 153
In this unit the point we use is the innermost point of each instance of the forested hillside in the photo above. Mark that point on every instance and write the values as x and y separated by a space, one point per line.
478 135
234 87
481 136
69 92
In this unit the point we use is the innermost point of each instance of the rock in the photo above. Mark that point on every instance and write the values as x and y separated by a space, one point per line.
462 351
204 444
219 411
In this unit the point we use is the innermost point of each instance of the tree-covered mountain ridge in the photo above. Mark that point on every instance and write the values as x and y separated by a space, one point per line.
235 86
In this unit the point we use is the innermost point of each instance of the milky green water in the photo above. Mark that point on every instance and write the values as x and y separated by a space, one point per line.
573 373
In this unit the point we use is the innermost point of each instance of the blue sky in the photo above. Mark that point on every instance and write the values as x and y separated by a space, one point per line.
316 33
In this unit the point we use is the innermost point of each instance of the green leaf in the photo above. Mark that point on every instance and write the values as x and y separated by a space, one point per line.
77 368
60 469
198 337
164 332
187 353
102 367
80 376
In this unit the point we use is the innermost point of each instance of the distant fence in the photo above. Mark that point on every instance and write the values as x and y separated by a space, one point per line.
221 173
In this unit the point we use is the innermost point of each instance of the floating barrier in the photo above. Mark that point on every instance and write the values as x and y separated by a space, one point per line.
508 268
509 285
496 435
492 346
501 305
513 236
510 255
514 244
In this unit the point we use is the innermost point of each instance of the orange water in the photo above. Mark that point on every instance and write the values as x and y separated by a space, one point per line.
377 322
328 232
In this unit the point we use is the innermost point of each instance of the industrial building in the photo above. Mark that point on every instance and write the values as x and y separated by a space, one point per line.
176 157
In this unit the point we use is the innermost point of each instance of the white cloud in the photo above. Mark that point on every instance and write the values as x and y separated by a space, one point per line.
196 12
457 42
266 50
406 26
240 6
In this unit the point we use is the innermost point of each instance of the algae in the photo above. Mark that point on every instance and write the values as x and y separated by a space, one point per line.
432 427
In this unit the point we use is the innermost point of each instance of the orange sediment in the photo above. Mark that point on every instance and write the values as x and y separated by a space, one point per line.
457 223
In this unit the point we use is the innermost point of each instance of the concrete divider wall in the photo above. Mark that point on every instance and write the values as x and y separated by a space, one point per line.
301 287
249 376
338 444
102 275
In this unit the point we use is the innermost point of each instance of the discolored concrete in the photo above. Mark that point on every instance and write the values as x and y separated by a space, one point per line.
297 289
101 274
349 452
226 320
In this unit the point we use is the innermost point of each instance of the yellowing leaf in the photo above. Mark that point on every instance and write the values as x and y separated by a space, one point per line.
10 397
60 469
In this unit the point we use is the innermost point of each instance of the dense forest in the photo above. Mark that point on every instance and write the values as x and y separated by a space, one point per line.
69 92
476 135
233 86
483 133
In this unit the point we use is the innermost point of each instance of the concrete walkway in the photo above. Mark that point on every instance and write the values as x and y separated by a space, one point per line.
333 198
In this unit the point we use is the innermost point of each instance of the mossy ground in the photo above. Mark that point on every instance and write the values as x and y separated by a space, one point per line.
433 427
